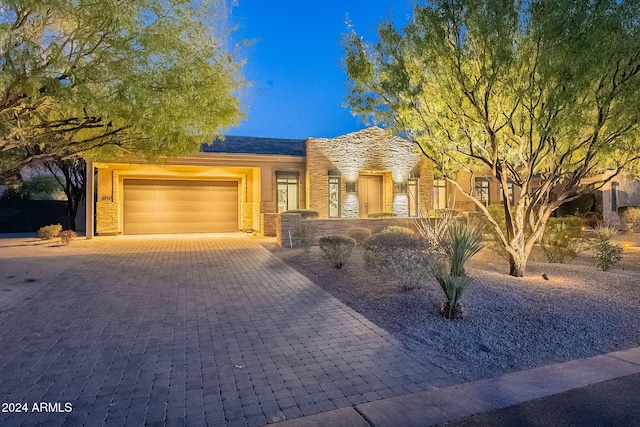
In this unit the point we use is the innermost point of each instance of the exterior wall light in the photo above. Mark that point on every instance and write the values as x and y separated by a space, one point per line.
400 187
351 186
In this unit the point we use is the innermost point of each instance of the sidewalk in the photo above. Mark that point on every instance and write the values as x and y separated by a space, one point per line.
460 401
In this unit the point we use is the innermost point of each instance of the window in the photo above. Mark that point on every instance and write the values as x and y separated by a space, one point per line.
482 190
334 197
412 192
287 195
614 196
439 194
509 192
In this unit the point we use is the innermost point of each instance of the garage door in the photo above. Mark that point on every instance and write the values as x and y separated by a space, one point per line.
170 206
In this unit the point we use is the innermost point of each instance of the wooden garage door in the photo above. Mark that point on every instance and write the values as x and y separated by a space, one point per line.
170 206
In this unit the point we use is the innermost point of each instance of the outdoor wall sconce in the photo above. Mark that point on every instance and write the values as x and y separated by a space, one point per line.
400 187
351 186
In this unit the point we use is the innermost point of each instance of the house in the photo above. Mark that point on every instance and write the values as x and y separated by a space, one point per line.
238 183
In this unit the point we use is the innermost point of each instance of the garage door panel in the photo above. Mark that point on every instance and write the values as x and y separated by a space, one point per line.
173 206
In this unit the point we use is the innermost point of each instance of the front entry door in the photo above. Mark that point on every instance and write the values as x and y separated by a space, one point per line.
370 194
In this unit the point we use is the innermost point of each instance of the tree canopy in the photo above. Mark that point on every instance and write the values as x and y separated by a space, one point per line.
538 93
100 78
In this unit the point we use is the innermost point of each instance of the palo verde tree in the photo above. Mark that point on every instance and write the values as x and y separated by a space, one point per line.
538 93
100 78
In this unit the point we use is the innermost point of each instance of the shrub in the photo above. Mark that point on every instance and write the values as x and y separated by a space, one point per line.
631 216
461 242
580 206
404 258
360 235
379 215
302 237
396 229
441 213
561 238
305 213
453 287
605 253
67 236
50 231
336 249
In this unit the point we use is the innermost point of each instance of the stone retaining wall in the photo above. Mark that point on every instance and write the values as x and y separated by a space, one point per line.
290 222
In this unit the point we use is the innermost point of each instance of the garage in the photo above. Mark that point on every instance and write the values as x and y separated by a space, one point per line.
159 206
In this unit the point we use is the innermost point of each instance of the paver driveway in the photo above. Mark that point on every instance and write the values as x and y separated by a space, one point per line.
183 330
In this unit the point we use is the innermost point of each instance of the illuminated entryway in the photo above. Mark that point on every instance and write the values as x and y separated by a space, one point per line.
154 206
370 195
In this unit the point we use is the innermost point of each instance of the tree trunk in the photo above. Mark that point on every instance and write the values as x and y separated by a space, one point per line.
517 266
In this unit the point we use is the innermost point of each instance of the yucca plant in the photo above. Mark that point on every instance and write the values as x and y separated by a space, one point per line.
461 242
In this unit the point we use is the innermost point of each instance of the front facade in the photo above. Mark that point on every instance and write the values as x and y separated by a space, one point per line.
235 184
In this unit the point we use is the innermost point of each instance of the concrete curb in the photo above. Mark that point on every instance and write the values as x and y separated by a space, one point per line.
460 401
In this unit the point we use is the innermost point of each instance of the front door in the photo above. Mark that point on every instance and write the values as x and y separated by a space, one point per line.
370 194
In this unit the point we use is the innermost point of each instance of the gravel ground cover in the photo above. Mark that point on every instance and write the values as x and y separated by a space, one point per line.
510 323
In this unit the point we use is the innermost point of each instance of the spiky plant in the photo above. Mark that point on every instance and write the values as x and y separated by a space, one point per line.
463 241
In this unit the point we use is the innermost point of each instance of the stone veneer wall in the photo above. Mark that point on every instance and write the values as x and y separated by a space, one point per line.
107 215
322 227
372 150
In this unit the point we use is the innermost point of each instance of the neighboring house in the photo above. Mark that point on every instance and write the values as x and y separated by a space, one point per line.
235 184
614 197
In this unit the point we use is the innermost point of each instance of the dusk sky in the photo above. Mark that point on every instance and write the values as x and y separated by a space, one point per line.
295 61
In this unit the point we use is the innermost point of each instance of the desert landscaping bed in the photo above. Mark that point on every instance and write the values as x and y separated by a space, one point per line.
510 323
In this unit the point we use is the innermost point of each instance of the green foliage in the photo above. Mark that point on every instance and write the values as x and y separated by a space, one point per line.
67 236
397 229
336 249
453 288
631 216
50 231
105 78
462 242
541 96
360 235
41 188
305 213
402 256
380 215
13 193
561 238
605 253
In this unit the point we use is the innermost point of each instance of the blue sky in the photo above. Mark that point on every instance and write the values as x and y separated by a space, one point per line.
294 63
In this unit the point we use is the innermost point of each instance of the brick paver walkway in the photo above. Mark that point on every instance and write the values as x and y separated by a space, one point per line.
183 330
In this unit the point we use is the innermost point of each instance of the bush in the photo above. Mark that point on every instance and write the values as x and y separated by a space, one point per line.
396 229
441 213
631 216
360 235
379 215
50 231
580 206
605 253
404 258
305 213
561 238
461 242
67 236
336 249
302 237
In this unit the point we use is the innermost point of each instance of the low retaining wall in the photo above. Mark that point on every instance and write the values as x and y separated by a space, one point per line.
290 222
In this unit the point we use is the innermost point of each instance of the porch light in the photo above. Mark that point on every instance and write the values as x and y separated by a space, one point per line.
400 187
351 186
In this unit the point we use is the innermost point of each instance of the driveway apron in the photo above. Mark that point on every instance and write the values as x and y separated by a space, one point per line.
203 329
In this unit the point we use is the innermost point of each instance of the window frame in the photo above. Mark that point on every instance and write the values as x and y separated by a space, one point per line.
483 183
288 179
